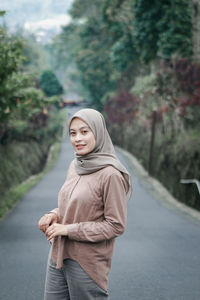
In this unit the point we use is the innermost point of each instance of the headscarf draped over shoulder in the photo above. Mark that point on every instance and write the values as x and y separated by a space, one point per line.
103 154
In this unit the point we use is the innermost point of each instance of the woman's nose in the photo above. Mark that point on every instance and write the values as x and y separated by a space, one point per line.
78 137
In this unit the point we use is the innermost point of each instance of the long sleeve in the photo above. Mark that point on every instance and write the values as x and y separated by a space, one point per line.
115 212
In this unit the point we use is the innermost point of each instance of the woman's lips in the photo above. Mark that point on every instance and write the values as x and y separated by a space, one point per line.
79 147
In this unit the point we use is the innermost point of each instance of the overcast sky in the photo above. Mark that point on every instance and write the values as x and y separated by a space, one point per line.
34 15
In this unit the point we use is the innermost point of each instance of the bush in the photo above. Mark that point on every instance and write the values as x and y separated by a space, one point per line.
50 84
21 158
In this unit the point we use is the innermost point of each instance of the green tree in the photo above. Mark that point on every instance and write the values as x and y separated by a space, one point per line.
50 84
175 29
88 8
65 46
36 58
118 18
162 28
94 62
147 15
11 79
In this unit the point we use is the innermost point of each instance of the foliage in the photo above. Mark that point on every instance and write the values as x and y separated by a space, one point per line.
162 28
175 29
180 160
22 104
108 39
65 46
100 43
144 84
106 47
36 58
50 84
18 192
29 122
32 157
122 109
25 155
179 83
30 102
123 52
2 13
81 10
93 60
188 75
174 159
63 51
118 18
147 15
10 78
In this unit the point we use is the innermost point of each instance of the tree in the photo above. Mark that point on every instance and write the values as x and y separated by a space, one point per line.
36 58
94 62
50 84
88 8
147 15
122 108
11 79
175 30
162 28
65 46
118 19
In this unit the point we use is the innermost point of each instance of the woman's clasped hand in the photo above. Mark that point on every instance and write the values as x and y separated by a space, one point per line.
48 224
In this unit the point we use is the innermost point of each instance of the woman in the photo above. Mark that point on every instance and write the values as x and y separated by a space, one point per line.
91 213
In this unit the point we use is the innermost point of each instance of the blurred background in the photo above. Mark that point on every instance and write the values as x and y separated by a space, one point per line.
136 61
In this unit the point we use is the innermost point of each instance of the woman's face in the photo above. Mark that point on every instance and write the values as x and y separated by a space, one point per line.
81 136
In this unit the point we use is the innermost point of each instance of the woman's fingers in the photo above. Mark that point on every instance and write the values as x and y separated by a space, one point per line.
44 222
49 229
51 232
56 230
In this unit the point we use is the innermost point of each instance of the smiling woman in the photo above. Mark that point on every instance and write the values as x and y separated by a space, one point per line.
91 213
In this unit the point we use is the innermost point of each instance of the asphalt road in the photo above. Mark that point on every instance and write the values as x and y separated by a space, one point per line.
158 257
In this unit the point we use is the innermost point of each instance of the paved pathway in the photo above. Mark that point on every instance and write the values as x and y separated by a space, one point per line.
157 258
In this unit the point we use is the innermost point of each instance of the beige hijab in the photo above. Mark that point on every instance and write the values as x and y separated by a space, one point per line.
103 154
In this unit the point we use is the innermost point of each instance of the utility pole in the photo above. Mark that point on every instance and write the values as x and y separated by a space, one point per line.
153 129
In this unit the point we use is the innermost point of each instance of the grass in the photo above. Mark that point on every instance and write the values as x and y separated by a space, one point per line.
16 193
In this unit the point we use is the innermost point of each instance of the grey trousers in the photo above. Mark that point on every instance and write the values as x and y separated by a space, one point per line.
71 283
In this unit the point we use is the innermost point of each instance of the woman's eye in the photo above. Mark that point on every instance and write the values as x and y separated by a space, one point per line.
72 133
84 131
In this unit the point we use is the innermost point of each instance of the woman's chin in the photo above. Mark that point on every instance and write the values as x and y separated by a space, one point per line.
82 152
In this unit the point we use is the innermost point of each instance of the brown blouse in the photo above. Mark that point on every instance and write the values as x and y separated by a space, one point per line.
94 206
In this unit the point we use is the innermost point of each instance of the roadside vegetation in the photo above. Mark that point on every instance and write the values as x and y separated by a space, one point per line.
138 62
31 119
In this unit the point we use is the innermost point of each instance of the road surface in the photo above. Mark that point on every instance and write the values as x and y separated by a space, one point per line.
158 257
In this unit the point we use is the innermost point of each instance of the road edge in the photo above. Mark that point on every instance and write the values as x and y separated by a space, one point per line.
163 194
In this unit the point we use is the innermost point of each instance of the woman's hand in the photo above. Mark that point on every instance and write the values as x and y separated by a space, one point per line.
46 221
56 230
